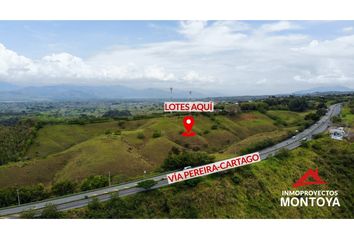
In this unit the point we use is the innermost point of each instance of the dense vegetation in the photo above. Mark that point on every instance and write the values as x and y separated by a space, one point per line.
176 160
32 193
15 140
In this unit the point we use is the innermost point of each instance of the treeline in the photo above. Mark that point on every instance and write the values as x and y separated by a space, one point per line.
321 111
178 160
351 106
27 194
296 104
15 140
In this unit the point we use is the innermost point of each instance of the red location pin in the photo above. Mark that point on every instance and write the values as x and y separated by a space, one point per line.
188 123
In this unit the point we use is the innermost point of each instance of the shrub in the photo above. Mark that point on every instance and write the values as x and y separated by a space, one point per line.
50 211
235 179
214 127
141 135
282 154
121 124
63 188
94 182
29 214
173 161
156 134
193 182
175 150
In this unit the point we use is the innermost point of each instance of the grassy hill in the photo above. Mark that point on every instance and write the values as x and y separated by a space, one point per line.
252 191
127 148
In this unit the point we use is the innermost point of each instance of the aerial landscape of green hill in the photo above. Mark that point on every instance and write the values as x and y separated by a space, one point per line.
248 192
128 148
68 156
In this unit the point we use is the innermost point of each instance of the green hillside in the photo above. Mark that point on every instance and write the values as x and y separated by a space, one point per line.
127 148
248 192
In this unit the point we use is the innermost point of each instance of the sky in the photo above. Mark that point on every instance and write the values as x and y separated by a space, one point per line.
223 57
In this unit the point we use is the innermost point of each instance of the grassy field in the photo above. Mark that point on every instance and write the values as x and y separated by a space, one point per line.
290 118
347 116
127 148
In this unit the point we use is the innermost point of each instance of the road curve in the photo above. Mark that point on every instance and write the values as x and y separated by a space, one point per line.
82 199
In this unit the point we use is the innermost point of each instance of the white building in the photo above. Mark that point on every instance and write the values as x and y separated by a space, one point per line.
337 133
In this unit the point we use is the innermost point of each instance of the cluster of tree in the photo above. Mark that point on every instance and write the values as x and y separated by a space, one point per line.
351 106
84 119
27 194
138 205
94 182
314 117
230 108
50 211
282 154
254 106
292 103
117 114
15 140
178 160
8 196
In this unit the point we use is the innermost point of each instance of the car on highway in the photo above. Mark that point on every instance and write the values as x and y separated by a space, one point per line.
304 139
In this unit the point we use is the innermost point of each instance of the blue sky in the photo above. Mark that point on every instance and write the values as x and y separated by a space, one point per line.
36 39
225 56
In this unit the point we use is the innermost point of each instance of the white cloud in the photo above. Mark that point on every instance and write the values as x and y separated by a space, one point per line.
278 26
348 29
156 72
192 28
230 57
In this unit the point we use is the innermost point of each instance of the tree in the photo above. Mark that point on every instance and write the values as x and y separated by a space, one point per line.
147 184
235 179
95 209
116 114
141 135
116 208
63 188
298 104
94 182
50 211
156 134
283 154
29 214
192 182
178 161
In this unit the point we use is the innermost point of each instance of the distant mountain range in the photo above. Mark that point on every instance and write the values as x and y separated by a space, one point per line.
9 92
332 89
4 86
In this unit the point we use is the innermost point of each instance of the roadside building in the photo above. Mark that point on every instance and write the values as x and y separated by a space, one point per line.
337 133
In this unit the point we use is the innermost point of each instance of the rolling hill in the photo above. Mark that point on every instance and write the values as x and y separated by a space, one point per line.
73 152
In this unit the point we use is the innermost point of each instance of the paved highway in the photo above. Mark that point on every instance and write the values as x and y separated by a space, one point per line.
82 199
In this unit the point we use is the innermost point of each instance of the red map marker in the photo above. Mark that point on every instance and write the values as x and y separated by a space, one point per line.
188 123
